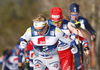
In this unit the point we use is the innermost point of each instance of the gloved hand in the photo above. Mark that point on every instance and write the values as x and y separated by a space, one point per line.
20 68
86 51
74 49
72 43
77 24
73 36
93 37
23 44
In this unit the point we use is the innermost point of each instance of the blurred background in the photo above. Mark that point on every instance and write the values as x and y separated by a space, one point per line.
16 16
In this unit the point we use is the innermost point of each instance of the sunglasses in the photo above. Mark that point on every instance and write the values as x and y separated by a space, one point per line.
39 30
56 22
74 14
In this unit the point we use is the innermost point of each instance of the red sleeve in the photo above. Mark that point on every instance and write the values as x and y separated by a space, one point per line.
30 46
70 31
80 38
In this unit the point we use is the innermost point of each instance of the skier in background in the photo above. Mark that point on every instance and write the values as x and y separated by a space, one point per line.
84 24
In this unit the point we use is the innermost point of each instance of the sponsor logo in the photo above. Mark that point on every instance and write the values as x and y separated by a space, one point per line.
55 65
73 26
51 32
32 55
15 59
35 33
69 68
41 40
37 65
65 64
65 26
74 9
55 16
48 58
66 36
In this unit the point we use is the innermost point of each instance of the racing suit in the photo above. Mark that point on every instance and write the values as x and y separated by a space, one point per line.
64 49
11 60
45 47
85 25
29 55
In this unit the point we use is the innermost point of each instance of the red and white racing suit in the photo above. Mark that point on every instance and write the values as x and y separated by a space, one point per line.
65 54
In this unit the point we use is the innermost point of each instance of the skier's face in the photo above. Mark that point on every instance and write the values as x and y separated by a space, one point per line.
57 24
41 30
74 15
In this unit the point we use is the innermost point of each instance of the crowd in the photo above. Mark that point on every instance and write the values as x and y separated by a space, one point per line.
54 44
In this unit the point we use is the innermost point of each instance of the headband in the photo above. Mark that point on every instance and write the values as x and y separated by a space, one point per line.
39 24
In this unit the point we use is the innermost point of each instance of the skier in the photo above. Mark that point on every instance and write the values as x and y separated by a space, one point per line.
74 18
64 49
11 59
45 38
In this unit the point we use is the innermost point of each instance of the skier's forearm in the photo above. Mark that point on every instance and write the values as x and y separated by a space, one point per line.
85 33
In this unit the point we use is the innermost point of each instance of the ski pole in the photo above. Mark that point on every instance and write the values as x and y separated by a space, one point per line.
86 62
79 48
73 61
80 51
92 55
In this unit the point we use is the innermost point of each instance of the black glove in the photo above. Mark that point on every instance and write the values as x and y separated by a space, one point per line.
20 68
86 48
28 67
93 38
77 25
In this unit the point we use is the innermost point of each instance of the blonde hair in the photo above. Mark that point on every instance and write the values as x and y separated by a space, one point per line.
40 18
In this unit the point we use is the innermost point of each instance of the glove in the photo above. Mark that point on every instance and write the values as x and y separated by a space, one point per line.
77 25
20 68
72 36
93 37
86 48
72 43
74 49
23 44
86 51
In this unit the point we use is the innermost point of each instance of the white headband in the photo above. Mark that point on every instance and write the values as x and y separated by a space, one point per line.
39 24
55 16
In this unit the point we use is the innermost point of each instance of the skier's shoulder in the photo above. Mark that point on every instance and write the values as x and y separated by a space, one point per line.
29 29
51 26
82 18
65 21
50 22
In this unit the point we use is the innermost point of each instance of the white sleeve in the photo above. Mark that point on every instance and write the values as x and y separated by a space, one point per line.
27 34
62 36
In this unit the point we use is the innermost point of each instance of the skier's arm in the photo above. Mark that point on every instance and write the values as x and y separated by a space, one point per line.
3 57
27 60
82 32
66 38
91 30
20 56
25 38
62 36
